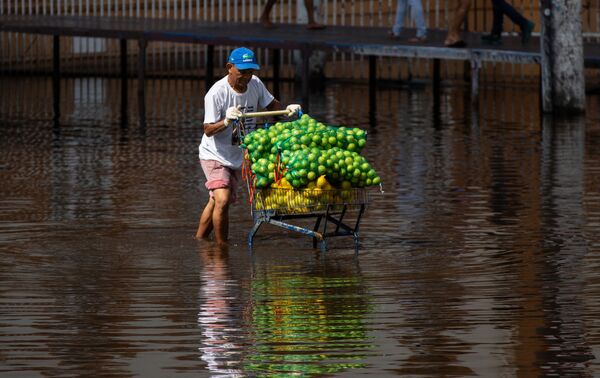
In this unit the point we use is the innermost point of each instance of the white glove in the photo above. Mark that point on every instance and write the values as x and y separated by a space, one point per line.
231 114
293 109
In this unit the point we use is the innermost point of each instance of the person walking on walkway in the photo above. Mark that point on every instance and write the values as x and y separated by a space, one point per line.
417 14
221 158
460 14
501 8
265 18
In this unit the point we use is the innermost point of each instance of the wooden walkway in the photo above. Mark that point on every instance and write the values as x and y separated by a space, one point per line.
368 41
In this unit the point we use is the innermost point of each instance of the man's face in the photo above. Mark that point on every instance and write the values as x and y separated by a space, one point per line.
239 78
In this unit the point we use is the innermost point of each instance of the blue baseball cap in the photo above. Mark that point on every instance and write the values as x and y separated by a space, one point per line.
243 59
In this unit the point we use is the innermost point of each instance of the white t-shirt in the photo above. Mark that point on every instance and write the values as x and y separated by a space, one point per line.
220 97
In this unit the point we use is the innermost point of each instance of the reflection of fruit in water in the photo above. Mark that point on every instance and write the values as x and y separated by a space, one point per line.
307 325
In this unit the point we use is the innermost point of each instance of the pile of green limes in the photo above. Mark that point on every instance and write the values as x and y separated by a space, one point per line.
303 150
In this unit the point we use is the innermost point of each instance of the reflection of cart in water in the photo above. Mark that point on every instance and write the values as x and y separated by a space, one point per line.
333 212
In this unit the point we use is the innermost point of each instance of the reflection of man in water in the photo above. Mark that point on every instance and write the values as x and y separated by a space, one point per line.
216 319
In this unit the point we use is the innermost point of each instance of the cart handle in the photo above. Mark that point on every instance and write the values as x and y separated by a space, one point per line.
264 114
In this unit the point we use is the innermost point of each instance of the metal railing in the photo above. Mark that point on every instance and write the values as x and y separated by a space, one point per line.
96 56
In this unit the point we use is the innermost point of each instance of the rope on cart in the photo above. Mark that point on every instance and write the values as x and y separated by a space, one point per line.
280 168
248 176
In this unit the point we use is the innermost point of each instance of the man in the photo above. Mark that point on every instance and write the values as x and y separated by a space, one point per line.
417 13
460 14
501 8
221 159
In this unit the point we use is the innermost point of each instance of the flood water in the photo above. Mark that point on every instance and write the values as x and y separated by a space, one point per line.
481 257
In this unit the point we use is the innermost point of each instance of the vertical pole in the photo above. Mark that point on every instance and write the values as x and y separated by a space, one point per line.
276 64
563 79
436 77
124 94
210 66
475 67
437 93
142 81
372 84
56 77
305 78
546 52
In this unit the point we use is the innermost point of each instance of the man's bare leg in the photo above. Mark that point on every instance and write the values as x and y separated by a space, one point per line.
205 224
310 10
460 15
220 213
265 18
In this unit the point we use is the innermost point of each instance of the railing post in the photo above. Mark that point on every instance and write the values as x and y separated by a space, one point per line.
305 78
276 65
436 77
372 84
475 68
142 81
124 89
210 66
56 77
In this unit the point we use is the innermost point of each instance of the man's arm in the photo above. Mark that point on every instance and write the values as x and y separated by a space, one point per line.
275 105
231 114
211 129
212 115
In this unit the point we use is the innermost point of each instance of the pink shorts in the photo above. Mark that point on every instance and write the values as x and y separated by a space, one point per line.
219 176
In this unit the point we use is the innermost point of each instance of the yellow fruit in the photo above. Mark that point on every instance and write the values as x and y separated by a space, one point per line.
285 183
322 182
282 183
268 203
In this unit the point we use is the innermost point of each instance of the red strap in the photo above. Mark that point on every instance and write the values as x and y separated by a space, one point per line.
277 167
248 176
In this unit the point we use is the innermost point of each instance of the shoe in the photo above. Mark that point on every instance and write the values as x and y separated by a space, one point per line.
315 26
492 39
526 32
458 44
418 39
393 36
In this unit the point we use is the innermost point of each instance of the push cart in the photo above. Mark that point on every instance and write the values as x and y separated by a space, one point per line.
333 212
340 210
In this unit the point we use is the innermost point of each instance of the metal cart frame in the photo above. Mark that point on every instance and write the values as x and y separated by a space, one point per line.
342 228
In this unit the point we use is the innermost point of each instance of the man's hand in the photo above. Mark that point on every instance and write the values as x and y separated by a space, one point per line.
231 114
293 109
